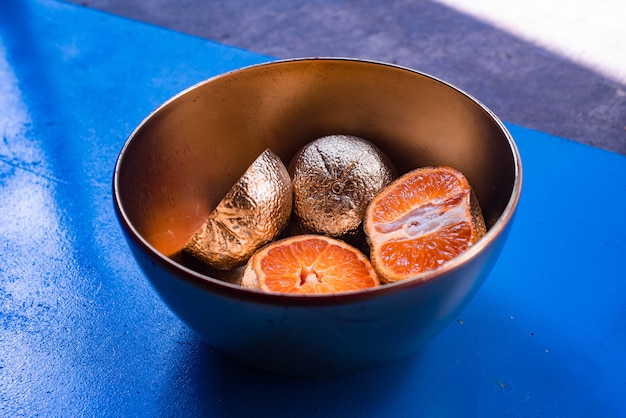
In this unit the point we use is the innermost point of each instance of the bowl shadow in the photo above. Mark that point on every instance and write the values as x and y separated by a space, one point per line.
213 383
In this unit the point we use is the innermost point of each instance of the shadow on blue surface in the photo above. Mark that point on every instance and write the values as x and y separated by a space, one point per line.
227 388
527 366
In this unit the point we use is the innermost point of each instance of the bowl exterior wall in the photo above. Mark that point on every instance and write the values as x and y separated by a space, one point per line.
320 340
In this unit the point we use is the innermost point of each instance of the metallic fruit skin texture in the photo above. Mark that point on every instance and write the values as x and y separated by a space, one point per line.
334 178
253 213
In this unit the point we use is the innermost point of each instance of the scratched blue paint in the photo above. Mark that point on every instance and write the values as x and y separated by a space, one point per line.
83 334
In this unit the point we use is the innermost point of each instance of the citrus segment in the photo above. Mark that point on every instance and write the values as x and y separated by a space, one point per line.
309 264
420 221
253 212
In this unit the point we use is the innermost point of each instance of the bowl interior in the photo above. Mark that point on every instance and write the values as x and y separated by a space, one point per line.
181 161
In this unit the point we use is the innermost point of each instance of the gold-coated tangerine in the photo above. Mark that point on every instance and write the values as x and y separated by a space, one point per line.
334 178
253 213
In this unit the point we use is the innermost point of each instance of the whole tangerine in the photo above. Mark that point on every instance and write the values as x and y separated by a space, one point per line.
334 178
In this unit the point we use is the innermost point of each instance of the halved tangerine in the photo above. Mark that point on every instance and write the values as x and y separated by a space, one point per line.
309 264
420 221
254 212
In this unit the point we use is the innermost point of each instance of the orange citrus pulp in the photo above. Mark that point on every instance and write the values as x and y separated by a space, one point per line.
309 264
420 221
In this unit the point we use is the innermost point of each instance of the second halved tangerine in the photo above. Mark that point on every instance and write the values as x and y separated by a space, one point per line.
420 221
309 264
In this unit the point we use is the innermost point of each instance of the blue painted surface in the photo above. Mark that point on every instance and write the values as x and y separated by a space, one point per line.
83 334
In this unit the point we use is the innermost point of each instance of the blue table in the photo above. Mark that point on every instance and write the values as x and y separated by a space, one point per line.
83 334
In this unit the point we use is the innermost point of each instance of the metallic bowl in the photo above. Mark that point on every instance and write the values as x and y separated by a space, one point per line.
183 158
